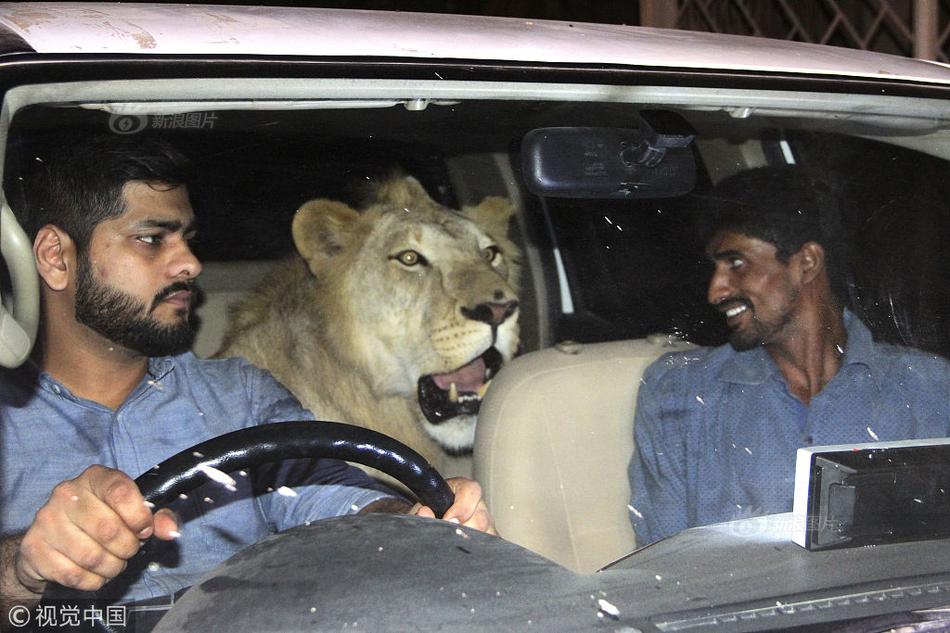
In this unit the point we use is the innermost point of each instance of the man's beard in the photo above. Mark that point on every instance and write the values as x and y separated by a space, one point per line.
758 332
119 316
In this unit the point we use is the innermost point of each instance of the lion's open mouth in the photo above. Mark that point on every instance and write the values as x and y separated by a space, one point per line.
444 396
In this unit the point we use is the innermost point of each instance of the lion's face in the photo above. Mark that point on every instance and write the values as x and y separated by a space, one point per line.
422 299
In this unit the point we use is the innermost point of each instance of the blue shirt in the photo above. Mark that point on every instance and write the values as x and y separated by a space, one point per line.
48 435
716 431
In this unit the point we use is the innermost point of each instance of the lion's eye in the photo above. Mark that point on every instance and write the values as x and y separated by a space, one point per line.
490 253
409 257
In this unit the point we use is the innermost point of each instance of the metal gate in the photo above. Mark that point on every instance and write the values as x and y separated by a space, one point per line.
916 28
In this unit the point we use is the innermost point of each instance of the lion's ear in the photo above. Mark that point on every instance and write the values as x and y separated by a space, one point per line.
401 190
324 228
493 215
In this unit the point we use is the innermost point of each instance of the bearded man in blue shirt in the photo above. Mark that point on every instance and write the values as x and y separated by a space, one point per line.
112 390
716 429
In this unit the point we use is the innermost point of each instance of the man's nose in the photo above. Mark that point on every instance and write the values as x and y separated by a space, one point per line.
719 287
184 263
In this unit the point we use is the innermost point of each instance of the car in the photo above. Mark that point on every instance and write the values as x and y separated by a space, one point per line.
603 138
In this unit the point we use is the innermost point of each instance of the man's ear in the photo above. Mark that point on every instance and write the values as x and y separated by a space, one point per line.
55 255
811 261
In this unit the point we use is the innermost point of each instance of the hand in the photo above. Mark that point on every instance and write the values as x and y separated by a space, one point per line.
88 529
469 508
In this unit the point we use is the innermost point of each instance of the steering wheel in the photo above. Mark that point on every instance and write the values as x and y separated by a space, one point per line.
18 329
257 445
286 440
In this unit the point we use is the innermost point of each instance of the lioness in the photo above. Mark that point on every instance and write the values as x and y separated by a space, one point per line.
394 318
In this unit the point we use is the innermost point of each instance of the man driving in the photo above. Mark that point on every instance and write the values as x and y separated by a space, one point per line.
716 429
112 390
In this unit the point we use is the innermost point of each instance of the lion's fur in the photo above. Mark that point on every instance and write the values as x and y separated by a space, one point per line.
346 327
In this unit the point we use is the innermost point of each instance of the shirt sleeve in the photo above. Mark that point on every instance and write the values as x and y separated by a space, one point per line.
657 471
297 491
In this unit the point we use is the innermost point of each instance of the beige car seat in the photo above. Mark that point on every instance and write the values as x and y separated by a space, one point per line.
554 437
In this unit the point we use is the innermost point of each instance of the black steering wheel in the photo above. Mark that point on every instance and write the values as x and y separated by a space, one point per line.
286 440
273 442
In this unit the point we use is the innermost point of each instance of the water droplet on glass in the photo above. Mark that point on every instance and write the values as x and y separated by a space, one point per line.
606 608
635 512
216 475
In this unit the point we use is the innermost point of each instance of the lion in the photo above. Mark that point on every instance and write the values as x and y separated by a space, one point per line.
394 318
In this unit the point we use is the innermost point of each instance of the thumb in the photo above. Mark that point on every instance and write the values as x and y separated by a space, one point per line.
166 525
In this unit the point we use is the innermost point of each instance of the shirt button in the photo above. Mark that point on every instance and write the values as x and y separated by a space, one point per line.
809 440
56 389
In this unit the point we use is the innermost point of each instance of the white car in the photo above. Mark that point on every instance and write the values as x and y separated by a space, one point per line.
277 106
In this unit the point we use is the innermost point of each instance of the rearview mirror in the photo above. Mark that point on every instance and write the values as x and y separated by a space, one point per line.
651 161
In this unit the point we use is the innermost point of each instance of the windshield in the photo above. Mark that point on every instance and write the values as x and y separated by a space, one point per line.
603 269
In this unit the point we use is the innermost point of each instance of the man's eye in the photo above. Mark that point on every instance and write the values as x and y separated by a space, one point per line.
151 240
409 257
735 263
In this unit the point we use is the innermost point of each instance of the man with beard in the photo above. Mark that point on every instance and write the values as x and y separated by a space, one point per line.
716 429
112 390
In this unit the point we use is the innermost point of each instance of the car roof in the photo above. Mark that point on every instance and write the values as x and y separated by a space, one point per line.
156 29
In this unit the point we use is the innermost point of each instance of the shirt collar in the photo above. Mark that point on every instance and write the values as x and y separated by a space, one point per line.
752 367
158 368
755 366
859 348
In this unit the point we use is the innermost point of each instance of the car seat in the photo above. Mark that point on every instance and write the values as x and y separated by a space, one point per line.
553 441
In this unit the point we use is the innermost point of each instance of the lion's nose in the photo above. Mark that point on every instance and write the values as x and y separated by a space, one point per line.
491 313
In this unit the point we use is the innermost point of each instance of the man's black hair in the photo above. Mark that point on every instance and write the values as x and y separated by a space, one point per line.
76 182
784 206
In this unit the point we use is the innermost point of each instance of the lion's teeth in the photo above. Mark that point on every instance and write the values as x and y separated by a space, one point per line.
483 389
453 393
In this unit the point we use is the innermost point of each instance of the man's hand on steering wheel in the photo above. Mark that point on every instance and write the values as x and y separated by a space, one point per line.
87 530
469 508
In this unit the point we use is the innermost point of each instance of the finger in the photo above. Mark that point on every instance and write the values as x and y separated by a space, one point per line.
28 575
468 494
58 568
482 520
72 559
118 491
420 510
166 525
94 518
87 553
469 507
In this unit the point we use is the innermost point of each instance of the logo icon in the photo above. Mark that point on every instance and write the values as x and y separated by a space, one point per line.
128 123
